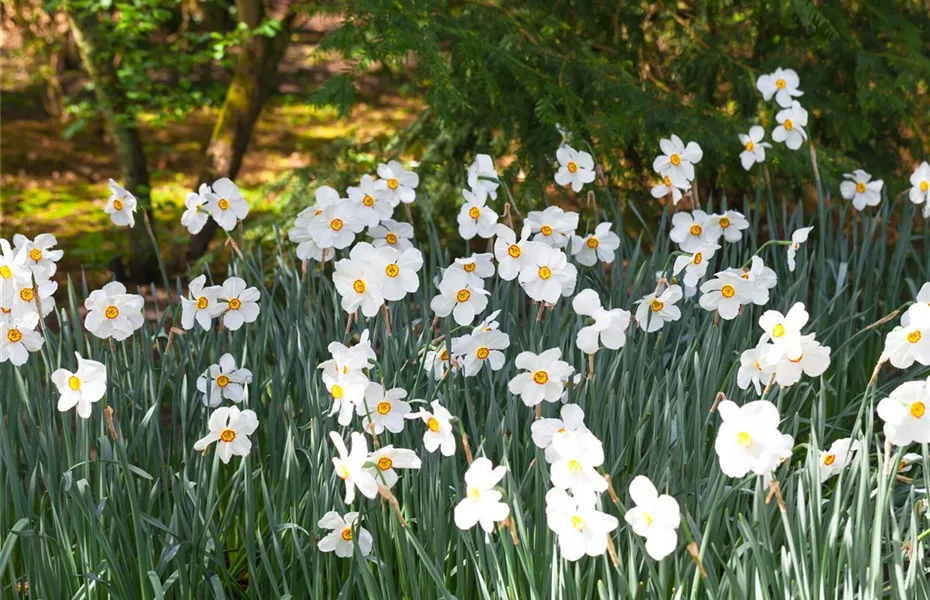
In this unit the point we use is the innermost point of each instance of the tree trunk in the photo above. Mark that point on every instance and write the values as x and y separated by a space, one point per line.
253 80
142 265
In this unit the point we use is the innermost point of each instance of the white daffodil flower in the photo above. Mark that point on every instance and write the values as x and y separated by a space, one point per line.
230 428
202 305
368 210
908 343
437 363
797 238
33 298
121 206
224 380
482 503
840 455
460 296
578 455
111 312
347 389
694 265
481 173
395 184
726 293
676 188
237 303
576 168
357 358
18 337
196 213
542 378
813 362
753 369
358 282
653 517
677 160
759 278
552 226
692 230
350 466
439 433
480 348
476 217
38 255
480 266
13 272
791 124
399 271
609 327
344 534
652 310
749 439
382 464
509 251
382 409
783 84
544 431
226 204
82 388
580 527
784 331
753 147
336 227
920 185
392 233
598 246
922 297
546 274
905 414
861 190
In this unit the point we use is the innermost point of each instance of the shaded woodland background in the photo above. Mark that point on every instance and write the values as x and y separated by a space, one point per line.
283 96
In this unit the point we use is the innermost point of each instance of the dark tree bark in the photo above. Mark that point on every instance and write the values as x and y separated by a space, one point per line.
142 265
253 81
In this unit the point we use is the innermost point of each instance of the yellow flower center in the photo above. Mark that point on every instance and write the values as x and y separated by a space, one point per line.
474 494
780 84
675 159
918 409
860 187
514 251
724 222
5 272
27 294
359 286
577 522
391 238
914 336
647 518
727 291
829 459
698 258
384 407
385 463
695 230
223 204
368 201
545 230
337 391
111 312
222 381
335 224
347 534
482 352
749 146
393 183
667 181
342 472
470 267
924 186
392 270
788 125
656 305
574 466
796 360
545 272
571 166
444 355
463 295
778 331
227 435
118 204
593 243
318 212
541 377
74 383
744 439
35 254
14 335
432 424
474 212
234 304
202 302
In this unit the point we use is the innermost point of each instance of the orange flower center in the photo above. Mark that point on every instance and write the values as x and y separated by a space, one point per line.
335 224
860 187
724 222
223 204
470 267
675 159
111 312
474 212
695 229
391 238
482 352
541 377
698 258
234 304
780 84
918 409
347 534
545 272
35 254
392 270
545 230
727 291
656 305
463 295
118 205
368 201
222 381
385 463
571 166
393 183
359 286
914 337
14 335
384 407
514 251
202 302
227 435
749 146
593 243
27 294
788 125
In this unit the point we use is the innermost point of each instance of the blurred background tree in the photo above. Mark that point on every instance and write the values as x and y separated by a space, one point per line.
437 81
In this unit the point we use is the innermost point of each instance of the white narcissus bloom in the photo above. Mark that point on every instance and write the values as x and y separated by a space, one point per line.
307 248
576 168
481 173
395 184
653 517
83 387
581 528
543 377
18 337
920 185
482 503
479 348
598 246
797 238
196 213
652 311
509 251
749 440
399 271
692 230
861 189
476 217
923 296
336 226
814 360
230 428
752 368
344 359
460 296
13 272
121 206
731 224
480 266
226 203
677 160
238 303
666 186
694 265
552 226
344 533
358 282
578 455
347 389
726 293
544 431
392 233
546 274
783 84
907 461
841 453
753 147
224 380
383 462
609 327
202 305
905 415
759 278
369 211
908 343
436 363
30 298
784 331
111 312
791 124
38 255
438 432
383 409
350 466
